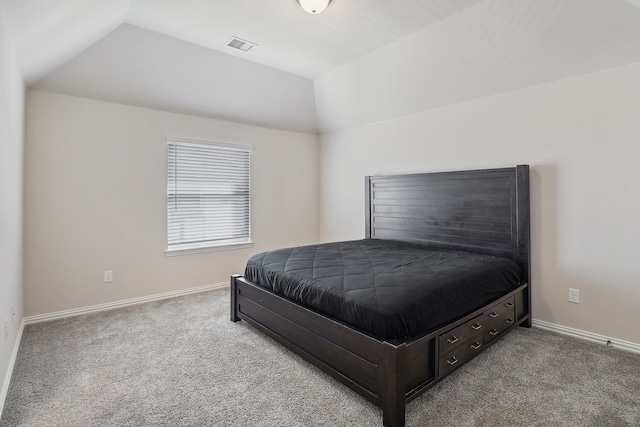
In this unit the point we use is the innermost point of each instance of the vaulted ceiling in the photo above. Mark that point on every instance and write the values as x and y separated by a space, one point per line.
172 54
50 32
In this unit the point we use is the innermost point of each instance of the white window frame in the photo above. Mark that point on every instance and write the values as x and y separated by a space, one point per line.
180 243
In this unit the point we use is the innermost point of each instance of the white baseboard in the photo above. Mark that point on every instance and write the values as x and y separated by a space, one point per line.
118 304
12 362
588 336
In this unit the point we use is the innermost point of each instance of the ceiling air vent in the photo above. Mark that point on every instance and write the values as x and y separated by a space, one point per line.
240 44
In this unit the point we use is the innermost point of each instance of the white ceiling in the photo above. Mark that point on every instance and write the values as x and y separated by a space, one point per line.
139 67
49 32
171 54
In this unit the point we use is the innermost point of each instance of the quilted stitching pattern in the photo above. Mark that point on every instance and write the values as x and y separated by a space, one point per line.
387 288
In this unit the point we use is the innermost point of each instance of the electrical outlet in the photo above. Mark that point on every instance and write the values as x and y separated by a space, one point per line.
108 276
574 295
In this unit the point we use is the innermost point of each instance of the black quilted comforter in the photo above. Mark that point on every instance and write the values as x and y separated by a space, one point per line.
392 290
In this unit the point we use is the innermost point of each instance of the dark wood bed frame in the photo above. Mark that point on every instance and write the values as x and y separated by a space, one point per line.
484 211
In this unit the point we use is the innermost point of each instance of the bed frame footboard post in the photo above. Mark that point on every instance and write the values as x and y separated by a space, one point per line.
523 250
234 297
394 387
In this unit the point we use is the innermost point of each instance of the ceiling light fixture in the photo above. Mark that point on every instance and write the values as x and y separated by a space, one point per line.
313 6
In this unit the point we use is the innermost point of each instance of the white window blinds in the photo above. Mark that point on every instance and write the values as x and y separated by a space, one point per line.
208 195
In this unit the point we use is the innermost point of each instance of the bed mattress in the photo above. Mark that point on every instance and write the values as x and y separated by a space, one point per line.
389 289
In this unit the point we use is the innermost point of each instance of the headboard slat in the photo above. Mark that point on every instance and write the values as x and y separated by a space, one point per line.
480 210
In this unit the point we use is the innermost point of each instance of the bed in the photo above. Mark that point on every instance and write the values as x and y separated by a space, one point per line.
443 273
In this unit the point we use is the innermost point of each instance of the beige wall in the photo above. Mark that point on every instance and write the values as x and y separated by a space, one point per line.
95 191
580 136
11 149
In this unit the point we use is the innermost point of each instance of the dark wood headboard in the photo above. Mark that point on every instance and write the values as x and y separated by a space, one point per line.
483 211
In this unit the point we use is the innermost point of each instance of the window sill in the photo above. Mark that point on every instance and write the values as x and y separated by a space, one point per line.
197 250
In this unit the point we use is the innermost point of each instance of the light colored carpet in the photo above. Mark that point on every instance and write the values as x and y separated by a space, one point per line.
181 362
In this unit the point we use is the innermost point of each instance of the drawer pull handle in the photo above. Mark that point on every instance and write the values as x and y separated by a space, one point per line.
476 345
452 361
493 315
452 339
476 326
508 321
494 332
509 305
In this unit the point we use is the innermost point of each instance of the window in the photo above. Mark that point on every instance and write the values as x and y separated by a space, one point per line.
208 195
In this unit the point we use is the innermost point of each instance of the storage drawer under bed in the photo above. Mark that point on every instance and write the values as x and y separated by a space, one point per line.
463 342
